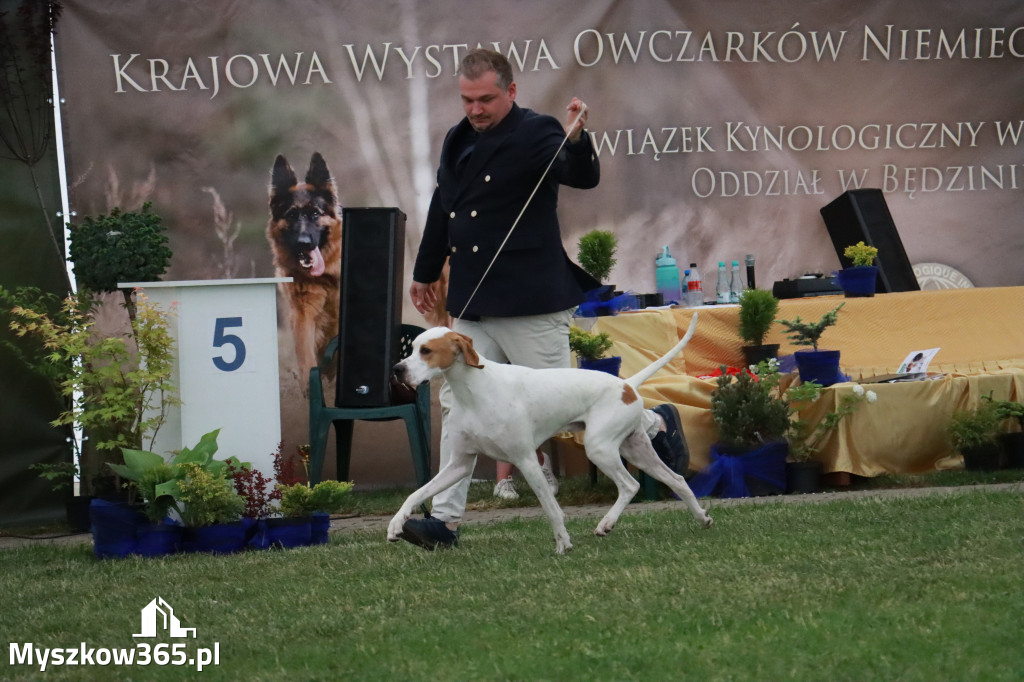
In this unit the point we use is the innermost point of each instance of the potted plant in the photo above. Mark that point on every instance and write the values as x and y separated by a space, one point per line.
803 471
1012 441
590 349
751 413
764 444
858 280
758 308
975 435
160 484
118 392
211 510
300 504
821 366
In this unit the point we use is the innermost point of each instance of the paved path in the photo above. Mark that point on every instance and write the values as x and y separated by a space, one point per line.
380 523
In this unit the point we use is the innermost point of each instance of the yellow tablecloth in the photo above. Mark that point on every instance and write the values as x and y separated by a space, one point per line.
980 333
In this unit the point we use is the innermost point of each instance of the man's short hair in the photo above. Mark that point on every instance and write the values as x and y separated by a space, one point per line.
479 61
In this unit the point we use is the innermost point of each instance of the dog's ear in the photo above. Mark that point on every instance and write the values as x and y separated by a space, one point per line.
465 345
319 176
282 180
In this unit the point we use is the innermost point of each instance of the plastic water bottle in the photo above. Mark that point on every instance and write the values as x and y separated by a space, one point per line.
684 287
735 283
694 288
722 288
666 277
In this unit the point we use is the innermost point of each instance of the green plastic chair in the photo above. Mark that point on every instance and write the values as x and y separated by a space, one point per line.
416 415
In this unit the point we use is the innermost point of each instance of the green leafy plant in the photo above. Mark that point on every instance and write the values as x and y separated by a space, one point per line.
752 407
1007 410
802 333
327 497
120 247
597 253
208 499
861 254
975 428
60 475
588 345
118 388
159 481
758 308
749 408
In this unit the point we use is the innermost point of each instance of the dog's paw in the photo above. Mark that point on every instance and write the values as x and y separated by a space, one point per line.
708 522
604 527
395 528
563 547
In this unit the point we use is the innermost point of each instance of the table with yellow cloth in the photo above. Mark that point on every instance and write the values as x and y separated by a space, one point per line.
980 334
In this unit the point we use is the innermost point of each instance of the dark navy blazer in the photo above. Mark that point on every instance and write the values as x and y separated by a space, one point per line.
470 215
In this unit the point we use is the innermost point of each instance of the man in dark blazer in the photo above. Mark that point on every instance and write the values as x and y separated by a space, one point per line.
497 193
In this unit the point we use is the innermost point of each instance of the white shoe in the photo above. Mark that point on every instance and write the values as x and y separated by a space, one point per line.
549 474
505 489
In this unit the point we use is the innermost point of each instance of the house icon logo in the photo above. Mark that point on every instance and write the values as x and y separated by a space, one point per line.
159 613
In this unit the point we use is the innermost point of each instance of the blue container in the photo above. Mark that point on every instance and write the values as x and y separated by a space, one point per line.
821 366
114 526
857 281
319 528
756 473
608 365
289 532
220 538
158 539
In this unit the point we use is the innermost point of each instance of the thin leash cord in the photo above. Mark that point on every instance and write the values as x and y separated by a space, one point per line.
523 210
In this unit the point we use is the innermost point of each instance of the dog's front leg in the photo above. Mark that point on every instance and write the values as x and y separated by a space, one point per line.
458 467
533 474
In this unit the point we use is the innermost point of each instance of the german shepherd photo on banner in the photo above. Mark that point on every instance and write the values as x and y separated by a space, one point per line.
305 236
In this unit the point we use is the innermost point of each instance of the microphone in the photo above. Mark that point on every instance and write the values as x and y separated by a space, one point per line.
750 271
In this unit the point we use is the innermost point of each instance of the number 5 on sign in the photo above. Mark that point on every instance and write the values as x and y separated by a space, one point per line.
221 339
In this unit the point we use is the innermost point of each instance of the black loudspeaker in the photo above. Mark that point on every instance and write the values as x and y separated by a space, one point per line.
370 328
862 215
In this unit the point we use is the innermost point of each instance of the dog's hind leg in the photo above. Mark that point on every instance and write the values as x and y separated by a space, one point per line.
638 451
458 467
533 474
607 459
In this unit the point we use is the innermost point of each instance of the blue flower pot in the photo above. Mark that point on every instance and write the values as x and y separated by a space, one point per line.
158 539
748 473
319 528
220 538
858 281
114 526
608 365
288 532
821 366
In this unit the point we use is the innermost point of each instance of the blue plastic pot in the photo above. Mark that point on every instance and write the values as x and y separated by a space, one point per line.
858 281
608 365
821 366
289 532
319 527
220 538
114 526
158 539
749 473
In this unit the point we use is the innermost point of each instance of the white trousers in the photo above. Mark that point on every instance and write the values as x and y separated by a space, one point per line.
537 341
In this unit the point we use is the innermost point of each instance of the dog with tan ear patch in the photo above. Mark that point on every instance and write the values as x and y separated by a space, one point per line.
507 411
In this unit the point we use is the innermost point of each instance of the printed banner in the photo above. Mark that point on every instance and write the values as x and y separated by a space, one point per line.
722 127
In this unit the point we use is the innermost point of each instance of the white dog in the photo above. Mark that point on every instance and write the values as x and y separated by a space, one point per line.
507 411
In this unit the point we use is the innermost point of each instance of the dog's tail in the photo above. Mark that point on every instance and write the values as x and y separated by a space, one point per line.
646 373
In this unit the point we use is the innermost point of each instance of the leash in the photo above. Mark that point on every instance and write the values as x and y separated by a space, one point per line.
558 151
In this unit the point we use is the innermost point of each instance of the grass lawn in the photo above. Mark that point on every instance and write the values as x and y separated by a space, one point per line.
925 588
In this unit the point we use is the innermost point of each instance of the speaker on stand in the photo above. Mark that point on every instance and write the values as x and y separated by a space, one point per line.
370 325
862 215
